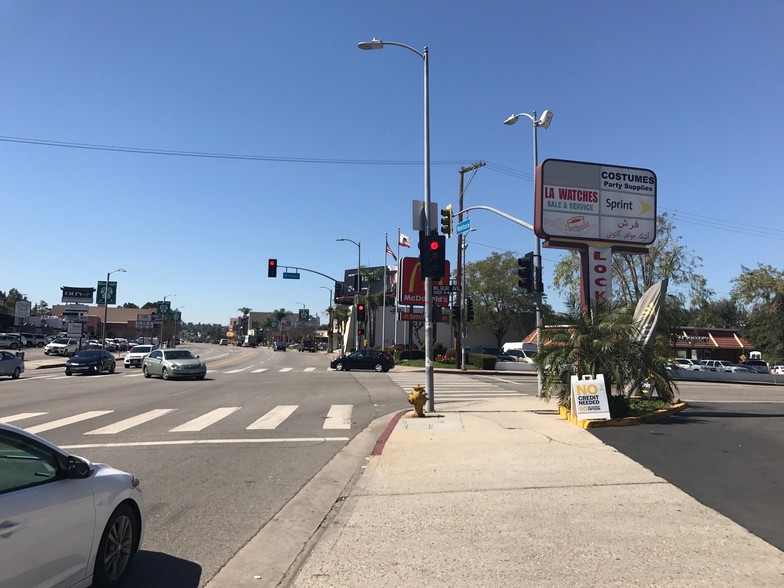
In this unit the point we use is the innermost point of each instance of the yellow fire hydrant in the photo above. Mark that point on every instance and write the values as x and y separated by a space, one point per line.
418 397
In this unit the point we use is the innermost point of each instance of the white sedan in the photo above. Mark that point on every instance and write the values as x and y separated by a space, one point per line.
64 521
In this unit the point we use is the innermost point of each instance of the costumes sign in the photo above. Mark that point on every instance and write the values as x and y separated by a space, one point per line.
589 398
595 202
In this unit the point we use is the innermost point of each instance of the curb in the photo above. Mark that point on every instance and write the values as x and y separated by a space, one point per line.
625 421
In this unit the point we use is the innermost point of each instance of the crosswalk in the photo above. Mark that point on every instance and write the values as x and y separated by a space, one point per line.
338 417
137 373
456 387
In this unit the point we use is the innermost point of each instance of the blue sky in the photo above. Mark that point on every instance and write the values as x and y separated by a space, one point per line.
689 89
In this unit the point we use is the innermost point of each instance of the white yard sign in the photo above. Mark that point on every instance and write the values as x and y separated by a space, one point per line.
589 398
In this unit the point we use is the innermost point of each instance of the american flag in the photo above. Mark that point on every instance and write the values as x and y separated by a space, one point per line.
405 241
389 250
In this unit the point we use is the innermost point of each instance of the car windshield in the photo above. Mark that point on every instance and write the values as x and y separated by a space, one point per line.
141 349
61 341
179 354
89 354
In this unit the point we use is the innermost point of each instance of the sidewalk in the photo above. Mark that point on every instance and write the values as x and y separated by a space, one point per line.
504 493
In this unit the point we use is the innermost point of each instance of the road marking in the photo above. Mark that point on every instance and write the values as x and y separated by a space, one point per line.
286 370
315 440
67 421
20 416
132 375
258 371
310 369
339 417
123 425
274 417
238 370
205 420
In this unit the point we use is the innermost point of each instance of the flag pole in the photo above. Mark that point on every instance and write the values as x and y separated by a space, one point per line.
384 296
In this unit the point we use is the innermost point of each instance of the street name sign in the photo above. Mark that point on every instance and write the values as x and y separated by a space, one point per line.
463 226
290 276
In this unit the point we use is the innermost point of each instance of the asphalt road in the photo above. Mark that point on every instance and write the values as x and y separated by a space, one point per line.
209 485
726 451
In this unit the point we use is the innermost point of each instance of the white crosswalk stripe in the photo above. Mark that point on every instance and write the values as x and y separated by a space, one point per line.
67 421
205 420
453 387
273 418
339 417
126 424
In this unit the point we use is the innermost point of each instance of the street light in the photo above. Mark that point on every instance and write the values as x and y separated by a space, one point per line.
463 322
106 306
377 44
329 315
359 286
177 317
544 122
160 339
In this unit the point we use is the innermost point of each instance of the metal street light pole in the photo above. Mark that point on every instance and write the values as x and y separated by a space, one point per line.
359 287
329 318
377 44
544 122
106 306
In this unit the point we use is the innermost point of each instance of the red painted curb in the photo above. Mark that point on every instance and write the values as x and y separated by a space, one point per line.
382 439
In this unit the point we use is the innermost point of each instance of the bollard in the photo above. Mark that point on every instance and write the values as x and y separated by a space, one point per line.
418 397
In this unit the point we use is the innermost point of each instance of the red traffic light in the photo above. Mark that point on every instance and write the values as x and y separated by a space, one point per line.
273 262
272 268
434 245
360 307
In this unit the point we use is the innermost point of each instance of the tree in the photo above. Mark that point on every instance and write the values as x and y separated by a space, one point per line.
129 305
41 308
720 314
761 290
602 341
499 304
632 275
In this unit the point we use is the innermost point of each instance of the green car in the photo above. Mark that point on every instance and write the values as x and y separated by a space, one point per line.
173 363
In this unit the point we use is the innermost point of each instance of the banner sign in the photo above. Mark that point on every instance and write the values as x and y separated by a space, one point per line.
104 294
595 202
420 316
589 398
78 295
412 286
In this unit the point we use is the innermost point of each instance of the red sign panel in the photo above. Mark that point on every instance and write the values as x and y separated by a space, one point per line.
412 286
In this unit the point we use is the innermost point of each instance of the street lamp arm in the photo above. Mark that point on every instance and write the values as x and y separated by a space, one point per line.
378 44
515 220
513 119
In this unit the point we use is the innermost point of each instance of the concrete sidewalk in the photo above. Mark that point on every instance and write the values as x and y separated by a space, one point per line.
505 493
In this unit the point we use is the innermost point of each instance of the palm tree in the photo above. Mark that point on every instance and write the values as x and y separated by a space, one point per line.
602 341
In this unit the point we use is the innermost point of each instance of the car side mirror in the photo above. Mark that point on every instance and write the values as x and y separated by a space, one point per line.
76 468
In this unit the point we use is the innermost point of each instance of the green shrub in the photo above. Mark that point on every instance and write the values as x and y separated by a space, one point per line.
482 361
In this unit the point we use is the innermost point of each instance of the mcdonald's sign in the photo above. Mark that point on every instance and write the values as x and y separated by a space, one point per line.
412 286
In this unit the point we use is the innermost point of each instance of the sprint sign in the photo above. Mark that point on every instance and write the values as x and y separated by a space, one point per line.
589 398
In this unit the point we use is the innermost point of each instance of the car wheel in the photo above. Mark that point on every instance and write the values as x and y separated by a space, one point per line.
339 366
116 549
378 368
40 345
16 374
112 367
68 373
201 377
146 372
165 374
14 346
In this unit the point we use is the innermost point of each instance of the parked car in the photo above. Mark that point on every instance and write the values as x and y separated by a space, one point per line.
32 340
224 342
688 364
778 370
136 355
735 368
519 355
64 521
487 350
308 346
9 341
90 361
173 363
11 364
279 346
714 365
61 346
756 365
366 359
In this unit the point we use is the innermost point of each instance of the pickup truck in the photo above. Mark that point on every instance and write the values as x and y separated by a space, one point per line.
308 346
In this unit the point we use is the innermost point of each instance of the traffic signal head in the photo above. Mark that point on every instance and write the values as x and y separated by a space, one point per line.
272 268
360 331
360 313
469 310
526 281
446 220
432 256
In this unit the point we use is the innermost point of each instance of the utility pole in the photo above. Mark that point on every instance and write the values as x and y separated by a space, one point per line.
458 326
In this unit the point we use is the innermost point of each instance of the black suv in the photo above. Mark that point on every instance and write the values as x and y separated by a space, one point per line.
307 346
499 354
367 359
756 365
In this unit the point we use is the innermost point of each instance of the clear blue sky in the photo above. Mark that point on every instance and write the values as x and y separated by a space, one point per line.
690 89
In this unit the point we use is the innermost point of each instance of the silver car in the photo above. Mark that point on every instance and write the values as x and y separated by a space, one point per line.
11 364
173 363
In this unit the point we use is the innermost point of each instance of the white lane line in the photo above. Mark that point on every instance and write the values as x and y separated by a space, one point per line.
68 421
310 369
286 370
20 416
205 420
238 370
274 417
339 417
123 425
314 440
258 371
133 375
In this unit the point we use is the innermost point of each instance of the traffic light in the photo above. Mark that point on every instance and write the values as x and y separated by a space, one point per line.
360 313
469 310
456 313
272 268
446 220
432 255
527 281
360 331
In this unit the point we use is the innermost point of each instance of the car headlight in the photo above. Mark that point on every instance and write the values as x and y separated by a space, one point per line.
176 366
